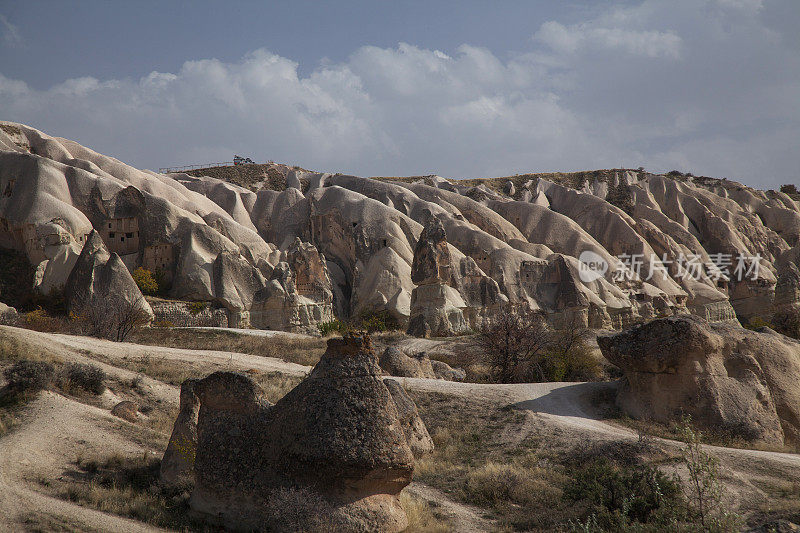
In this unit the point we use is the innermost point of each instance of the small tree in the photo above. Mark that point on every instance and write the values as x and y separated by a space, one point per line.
511 343
790 189
704 492
145 281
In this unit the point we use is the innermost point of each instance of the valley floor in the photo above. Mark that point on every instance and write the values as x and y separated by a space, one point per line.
56 437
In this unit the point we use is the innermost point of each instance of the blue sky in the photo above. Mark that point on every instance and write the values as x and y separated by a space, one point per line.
461 89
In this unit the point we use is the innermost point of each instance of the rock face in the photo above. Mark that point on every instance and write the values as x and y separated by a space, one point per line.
177 465
299 295
414 428
726 377
343 434
397 363
101 283
514 241
436 307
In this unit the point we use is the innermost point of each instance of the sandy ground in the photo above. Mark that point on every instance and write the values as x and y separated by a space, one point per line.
54 429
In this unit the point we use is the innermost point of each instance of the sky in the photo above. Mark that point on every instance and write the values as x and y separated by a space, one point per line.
460 89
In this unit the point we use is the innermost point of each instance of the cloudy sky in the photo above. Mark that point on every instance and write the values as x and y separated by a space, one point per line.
460 89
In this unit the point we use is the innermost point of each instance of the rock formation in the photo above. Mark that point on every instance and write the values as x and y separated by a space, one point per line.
177 465
397 363
299 295
510 241
414 428
100 284
435 305
726 377
343 436
8 315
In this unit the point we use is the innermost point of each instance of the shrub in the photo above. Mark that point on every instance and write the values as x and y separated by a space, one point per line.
756 322
619 497
522 348
26 376
704 492
162 324
114 318
373 321
196 307
790 189
332 326
298 509
40 320
87 377
145 281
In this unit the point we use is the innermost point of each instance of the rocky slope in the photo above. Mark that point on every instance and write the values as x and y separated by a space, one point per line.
512 241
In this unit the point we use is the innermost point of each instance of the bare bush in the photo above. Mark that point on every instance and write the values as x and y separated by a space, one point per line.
83 376
511 345
523 348
114 318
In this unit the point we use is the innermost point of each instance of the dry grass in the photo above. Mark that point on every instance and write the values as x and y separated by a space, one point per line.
300 350
484 456
128 486
421 518
274 384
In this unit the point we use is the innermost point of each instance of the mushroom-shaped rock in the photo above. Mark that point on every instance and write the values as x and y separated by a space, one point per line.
724 376
342 435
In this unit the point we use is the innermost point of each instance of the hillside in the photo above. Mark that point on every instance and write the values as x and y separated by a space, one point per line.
250 238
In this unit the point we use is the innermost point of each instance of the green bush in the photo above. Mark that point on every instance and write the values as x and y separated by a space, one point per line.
332 326
26 376
618 498
87 377
756 322
373 321
145 281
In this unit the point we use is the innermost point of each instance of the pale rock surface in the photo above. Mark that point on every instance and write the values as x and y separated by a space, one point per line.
726 377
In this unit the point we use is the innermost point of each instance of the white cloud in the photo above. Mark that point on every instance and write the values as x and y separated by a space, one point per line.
579 37
640 85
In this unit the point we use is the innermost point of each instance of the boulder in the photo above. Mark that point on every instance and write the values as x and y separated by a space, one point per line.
444 371
177 465
126 410
727 378
397 363
342 437
8 315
